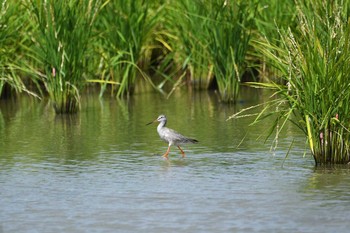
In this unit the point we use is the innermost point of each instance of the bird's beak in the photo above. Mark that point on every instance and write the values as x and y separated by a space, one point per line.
151 122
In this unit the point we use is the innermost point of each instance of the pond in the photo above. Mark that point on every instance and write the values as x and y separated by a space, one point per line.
102 170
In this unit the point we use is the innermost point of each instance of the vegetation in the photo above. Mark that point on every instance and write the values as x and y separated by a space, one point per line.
229 36
189 23
300 49
214 38
11 53
125 42
60 44
313 60
318 79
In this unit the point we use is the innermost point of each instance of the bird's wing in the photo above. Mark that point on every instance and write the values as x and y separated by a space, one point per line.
173 134
177 138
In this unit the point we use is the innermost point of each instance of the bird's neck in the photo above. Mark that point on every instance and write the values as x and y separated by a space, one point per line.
161 125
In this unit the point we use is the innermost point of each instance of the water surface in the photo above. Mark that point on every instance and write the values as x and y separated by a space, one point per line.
101 170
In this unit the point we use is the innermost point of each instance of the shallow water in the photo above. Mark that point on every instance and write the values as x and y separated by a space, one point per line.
102 171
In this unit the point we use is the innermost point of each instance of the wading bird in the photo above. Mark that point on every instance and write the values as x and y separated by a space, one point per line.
171 136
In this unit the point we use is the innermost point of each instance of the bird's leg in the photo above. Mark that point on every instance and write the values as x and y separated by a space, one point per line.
182 152
167 152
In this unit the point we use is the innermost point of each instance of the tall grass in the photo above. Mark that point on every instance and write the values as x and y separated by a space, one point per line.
209 40
314 61
188 21
214 37
270 18
125 43
12 18
61 35
230 34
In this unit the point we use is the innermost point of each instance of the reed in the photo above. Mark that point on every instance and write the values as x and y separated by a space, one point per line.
270 18
61 34
125 42
213 40
188 23
229 40
12 18
314 62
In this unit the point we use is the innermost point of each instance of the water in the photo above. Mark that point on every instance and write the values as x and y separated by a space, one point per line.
102 171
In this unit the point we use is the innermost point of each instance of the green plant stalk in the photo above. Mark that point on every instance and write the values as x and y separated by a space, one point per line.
309 133
12 22
60 46
127 30
189 21
313 61
228 45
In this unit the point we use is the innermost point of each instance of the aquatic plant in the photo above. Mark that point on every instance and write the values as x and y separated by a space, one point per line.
125 41
229 40
188 23
270 18
11 25
213 41
61 33
314 62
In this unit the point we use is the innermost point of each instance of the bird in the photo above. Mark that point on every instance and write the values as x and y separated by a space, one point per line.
171 136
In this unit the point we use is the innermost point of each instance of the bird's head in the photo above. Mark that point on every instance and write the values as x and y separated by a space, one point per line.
160 118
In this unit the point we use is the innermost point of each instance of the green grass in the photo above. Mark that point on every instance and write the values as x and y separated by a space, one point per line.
61 35
128 40
11 55
188 21
270 18
313 60
125 42
230 33
213 39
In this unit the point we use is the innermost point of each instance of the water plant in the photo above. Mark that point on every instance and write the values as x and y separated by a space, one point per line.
188 21
125 42
270 18
229 40
314 63
61 33
214 37
11 24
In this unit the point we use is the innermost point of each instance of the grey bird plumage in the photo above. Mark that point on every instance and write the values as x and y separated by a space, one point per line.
171 136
